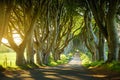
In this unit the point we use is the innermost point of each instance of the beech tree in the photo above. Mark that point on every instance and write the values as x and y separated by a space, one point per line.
6 8
23 23
105 15
46 27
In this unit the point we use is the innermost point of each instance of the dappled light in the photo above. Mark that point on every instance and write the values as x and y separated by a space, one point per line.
59 39
72 71
4 40
100 76
58 72
16 38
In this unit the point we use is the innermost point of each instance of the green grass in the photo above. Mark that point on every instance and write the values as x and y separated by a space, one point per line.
94 64
7 59
86 58
115 66
64 59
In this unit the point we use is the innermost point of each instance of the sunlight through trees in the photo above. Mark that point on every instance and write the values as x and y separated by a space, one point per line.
50 27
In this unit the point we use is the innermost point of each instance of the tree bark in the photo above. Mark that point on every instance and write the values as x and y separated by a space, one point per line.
5 13
119 53
30 51
56 56
101 46
46 58
20 60
113 40
91 40
105 19
99 15
2 19
39 57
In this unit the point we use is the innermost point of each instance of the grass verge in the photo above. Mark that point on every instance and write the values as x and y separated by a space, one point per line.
113 66
64 59
86 61
7 59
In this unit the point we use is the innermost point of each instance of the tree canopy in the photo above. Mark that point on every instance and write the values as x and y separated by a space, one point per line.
45 27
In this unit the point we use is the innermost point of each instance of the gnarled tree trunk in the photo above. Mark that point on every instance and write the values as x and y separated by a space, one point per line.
30 51
39 57
20 59
113 41
101 46
2 19
46 58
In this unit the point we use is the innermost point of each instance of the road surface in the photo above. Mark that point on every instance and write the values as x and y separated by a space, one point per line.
71 71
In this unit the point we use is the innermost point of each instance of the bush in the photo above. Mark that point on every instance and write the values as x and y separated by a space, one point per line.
85 58
96 64
52 63
64 59
115 66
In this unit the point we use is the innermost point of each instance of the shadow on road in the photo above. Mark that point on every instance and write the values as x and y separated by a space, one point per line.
54 73
71 71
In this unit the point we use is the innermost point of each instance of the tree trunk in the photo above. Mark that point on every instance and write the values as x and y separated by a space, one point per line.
119 53
101 46
91 40
99 15
46 59
56 56
113 40
30 51
39 57
30 55
107 24
20 60
2 19
5 12
93 57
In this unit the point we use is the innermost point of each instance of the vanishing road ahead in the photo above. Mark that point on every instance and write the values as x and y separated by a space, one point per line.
71 71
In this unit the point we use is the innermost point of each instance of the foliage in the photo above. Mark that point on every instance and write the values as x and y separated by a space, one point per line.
95 64
49 25
86 59
64 59
52 63
78 23
7 61
115 66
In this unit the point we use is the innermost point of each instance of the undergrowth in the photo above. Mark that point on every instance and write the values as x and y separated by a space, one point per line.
114 66
63 60
86 58
28 66
86 61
